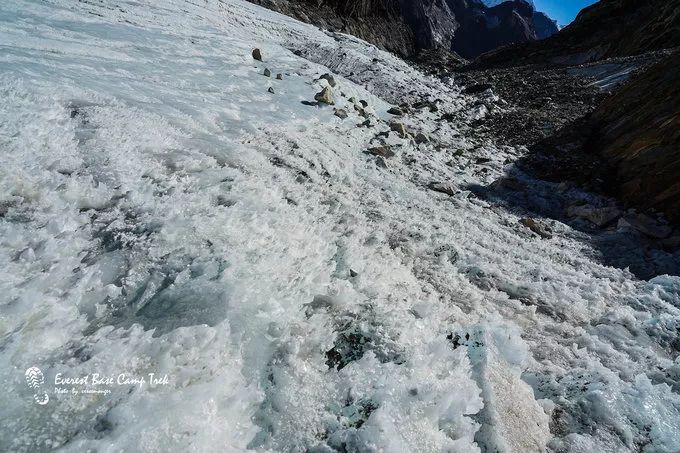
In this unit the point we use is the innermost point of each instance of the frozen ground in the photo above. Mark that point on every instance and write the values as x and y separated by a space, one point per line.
161 211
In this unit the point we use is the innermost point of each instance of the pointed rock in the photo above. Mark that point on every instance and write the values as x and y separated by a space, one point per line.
396 111
443 187
325 96
399 128
257 54
267 72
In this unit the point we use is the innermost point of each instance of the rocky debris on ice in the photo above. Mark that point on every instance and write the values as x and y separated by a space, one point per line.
381 151
443 187
341 113
279 76
396 111
537 227
325 96
330 79
257 54
421 138
267 72
399 128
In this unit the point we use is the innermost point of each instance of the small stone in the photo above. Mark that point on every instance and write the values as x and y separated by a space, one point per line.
538 228
399 128
443 187
353 273
267 72
279 76
363 103
341 113
396 111
366 123
329 78
257 54
381 151
325 96
422 138
271 90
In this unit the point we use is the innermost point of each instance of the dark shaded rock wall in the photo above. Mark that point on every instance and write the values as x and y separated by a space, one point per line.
637 132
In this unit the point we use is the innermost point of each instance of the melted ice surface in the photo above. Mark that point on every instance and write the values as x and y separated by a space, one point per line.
162 212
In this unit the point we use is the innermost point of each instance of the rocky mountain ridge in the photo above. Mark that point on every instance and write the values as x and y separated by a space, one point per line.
467 27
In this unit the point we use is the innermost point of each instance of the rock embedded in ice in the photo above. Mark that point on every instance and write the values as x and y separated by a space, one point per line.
422 138
257 54
381 151
328 78
396 111
325 96
341 113
399 128
267 72
443 187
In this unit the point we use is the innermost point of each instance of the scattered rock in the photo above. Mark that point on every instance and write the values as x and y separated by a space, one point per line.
363 103
396 111
443 187
366 123
599 216
257 54
422 138
538 228
399 128
325 96
341 113
380 162
271 90
279 76
381 151
267 72
329 78
477 88
353 273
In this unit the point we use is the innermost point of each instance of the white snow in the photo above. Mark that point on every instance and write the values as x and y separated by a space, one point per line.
162 212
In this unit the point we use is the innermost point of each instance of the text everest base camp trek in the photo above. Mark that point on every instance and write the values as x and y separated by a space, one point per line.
311 277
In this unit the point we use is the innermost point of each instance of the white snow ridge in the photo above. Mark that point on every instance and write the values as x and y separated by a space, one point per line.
162 212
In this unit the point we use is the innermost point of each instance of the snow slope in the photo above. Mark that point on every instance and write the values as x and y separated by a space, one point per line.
163 212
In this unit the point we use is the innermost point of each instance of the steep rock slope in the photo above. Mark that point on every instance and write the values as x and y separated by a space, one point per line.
637 132
609 28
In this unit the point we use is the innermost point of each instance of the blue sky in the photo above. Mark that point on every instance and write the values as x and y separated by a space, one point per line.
563 11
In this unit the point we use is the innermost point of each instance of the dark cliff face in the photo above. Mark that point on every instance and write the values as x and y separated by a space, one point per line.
405 27
637 132
483 29
609 28
379 22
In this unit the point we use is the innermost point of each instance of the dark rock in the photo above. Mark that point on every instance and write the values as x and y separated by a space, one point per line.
257 54
279 76
381 151
341 113
267 72
399 128
395 111
422 138
443 187
271 90
329 78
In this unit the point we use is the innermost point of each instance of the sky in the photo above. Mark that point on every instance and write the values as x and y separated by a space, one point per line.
563 11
